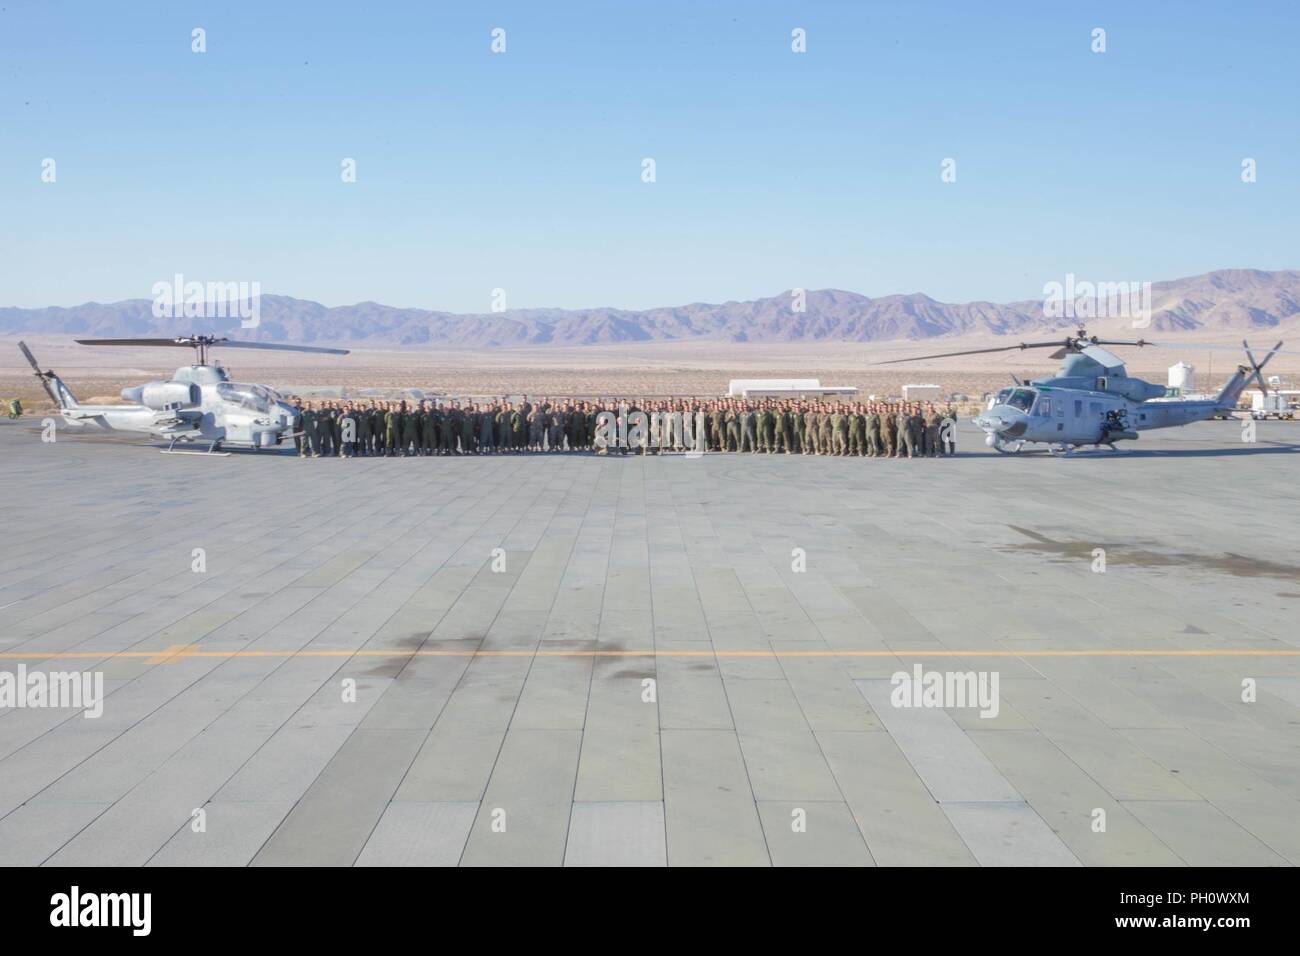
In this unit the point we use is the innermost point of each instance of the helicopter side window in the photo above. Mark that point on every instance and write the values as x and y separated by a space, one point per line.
1022 399
1044 409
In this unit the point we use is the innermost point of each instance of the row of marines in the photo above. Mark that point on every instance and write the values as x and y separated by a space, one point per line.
428 427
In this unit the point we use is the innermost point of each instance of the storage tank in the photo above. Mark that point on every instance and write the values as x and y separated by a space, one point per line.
1182 378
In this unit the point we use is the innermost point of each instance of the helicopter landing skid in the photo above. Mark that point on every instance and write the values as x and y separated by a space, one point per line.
212 452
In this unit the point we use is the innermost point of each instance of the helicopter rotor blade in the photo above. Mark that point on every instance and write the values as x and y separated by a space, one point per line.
205 342
1073 345
1139 343
272 346
1204 346
179 342
31 359
1001 348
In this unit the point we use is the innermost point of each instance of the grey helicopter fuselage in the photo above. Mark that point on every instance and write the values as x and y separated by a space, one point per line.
199 403
1088 403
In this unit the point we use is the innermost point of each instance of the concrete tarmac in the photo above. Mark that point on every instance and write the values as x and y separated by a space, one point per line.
576 660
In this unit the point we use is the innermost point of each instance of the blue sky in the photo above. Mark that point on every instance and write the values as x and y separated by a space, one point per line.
522 170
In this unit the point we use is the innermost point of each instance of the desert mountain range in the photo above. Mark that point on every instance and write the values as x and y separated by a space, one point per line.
1229 300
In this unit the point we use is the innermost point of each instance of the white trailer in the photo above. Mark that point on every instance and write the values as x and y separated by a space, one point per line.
1279 404
786 388
921 393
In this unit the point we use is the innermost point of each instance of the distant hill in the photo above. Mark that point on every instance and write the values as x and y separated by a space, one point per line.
1237 300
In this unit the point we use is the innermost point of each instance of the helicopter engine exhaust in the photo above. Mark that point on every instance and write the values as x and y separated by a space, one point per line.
162 396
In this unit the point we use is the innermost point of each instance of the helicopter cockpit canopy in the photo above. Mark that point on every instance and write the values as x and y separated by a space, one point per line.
258 398
1018 398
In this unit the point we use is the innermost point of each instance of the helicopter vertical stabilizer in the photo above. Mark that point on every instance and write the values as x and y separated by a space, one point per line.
1233 389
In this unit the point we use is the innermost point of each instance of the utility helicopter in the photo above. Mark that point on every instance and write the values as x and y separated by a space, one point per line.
1091 400
199 403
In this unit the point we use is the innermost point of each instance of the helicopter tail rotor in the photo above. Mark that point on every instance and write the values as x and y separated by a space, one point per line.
1257 368
45 377
1239 382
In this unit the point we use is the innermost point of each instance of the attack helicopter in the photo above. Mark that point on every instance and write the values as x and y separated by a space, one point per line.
199 403
1091 400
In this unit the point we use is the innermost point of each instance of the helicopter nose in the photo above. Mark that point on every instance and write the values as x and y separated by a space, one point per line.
1004 421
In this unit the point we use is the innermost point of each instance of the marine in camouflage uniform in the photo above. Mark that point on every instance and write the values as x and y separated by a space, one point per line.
556 420
875 447
363 430
392 428
933 424
336 427
857 431
410 435
536 424
466 423
889 430
348 432
432 423
575 426
903 426
309 416
517 427
299 439
717 427
765 425
826 432
325 431
503 427
447 428
376 429
487 429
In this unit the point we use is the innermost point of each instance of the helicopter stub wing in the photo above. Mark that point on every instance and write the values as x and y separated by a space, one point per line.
176 428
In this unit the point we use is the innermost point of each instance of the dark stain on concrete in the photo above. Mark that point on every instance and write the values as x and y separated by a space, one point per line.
630 674
1237 565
